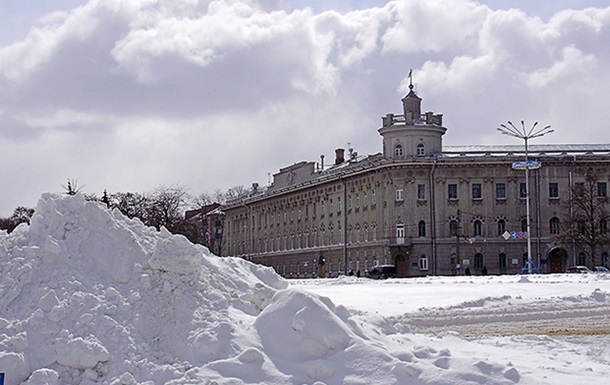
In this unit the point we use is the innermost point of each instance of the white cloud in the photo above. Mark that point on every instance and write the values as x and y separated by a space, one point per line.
156 91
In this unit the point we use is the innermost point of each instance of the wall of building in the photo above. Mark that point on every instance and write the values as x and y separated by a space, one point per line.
351 220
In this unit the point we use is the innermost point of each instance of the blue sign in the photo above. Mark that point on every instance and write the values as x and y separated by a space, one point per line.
1 378
530 165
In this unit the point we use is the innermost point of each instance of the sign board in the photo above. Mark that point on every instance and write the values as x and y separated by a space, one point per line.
530 165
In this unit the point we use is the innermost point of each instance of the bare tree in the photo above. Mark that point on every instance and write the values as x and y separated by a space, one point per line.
201 200
168 204
585 222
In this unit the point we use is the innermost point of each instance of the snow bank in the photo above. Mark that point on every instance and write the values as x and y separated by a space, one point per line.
89 295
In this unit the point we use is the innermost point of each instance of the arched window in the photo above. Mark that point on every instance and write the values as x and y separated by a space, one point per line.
582 258
501 226
478 228
478 261
398 151
453 228
421 150
422 228
502 261
554 225
423 262
400 232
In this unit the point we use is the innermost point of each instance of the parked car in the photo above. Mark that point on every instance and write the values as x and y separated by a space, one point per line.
578 269
601 269
383 272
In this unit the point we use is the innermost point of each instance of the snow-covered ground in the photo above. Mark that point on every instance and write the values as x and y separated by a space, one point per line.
88 296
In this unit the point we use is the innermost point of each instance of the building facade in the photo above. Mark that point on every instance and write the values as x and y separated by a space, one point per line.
425 208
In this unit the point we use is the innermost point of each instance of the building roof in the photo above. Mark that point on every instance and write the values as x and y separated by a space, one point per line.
541 149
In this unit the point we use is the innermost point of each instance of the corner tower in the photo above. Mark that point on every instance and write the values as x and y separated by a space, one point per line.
412 134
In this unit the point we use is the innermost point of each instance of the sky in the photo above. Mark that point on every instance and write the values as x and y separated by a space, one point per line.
207 95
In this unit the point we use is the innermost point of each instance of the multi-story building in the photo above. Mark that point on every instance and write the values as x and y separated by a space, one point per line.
428 209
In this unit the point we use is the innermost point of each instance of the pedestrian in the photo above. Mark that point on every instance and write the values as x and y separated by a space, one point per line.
467 271
358 273
484 270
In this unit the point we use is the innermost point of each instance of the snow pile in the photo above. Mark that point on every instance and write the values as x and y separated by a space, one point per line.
88 296
91 295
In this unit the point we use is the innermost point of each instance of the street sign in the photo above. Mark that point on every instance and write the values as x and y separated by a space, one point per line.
530 165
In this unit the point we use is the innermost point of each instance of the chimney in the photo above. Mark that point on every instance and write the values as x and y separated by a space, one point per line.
321 162
339 156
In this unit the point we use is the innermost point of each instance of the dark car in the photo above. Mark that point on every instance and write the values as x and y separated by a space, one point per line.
383 272
578 269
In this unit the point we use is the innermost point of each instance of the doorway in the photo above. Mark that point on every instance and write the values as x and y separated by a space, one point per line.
558 259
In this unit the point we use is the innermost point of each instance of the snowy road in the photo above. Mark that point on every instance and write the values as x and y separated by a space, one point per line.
588 316
556 304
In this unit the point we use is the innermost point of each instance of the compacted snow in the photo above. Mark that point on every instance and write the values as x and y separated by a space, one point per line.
88 296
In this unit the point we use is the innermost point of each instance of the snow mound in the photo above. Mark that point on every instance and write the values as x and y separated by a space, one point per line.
86 293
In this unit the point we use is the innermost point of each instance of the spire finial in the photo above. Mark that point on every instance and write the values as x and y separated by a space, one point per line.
411 79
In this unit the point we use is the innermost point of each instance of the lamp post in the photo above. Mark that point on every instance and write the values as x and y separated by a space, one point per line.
526 134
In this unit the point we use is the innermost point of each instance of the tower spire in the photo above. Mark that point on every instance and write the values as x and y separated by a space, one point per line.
411 79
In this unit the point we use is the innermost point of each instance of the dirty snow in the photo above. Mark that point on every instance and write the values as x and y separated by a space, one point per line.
88 296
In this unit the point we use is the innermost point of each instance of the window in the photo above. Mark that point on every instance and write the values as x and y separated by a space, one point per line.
373 198
421 192
602 190
357 201
502 261
476 191
522 190
524 225
501 226
339 205
553 190
365 199
398 150
400 230
399 193
453 228
452 191
500 191
421 150
579 189
423 262
422 229
478 228
603 227
554 225
478 261
582 259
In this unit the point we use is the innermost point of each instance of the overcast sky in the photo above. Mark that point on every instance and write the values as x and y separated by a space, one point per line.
130 95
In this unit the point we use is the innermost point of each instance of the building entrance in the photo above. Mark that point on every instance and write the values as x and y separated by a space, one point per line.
558 259
401 266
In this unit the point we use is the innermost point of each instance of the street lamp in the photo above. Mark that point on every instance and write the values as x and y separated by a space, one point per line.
526 135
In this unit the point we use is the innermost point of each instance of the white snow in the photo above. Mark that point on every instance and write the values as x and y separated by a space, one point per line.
88 296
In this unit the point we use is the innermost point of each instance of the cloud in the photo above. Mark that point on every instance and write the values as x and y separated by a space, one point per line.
212 94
